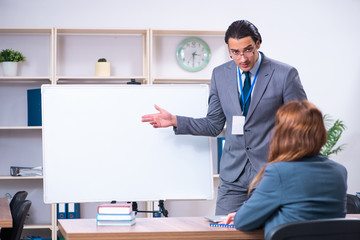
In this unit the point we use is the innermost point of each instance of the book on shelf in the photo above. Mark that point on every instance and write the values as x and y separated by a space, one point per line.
115 217
34 107
116 223
73 210
26 171
115 208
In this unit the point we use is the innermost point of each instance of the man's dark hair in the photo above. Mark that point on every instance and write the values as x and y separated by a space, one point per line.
242 28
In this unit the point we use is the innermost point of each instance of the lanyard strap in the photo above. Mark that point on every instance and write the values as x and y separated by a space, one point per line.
244 101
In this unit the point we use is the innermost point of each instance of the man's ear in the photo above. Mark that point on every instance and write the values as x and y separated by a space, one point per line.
258 44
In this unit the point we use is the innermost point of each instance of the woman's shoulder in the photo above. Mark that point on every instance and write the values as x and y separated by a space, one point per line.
304 162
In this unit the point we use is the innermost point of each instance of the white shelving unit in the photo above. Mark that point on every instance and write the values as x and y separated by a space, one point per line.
68 56
164 69
20 145
37 46
77 51
163 64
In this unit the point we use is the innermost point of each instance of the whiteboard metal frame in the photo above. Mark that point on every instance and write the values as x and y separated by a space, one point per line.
96 149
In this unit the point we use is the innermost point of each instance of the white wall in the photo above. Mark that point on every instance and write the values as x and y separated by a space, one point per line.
320 38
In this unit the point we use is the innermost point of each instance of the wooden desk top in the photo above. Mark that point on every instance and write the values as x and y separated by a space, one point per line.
152 228
5 214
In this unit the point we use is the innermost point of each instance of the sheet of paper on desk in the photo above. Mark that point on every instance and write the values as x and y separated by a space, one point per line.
217 218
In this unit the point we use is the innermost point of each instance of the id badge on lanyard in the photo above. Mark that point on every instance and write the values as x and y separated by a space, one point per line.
238 122
238 125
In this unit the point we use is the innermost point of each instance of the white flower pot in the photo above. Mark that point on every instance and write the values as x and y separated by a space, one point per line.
9 68
102 69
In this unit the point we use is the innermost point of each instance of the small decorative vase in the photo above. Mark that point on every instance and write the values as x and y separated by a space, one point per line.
9 68
102 69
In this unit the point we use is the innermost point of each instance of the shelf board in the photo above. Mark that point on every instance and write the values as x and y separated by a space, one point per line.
164 80
101 31
98 77
37 226
19 177
25 30
99 80
20 127
188 32
25 79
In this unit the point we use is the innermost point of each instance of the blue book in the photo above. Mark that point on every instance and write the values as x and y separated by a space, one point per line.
61 210
73 210
34 107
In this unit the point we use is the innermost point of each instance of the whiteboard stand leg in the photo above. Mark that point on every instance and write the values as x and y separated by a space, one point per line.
162 208
157 213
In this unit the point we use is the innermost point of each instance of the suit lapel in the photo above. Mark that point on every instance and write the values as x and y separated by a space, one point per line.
232 88
261 85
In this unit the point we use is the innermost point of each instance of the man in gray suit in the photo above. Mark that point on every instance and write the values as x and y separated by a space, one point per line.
245 94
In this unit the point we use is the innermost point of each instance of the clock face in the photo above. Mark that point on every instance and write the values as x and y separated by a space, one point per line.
193 54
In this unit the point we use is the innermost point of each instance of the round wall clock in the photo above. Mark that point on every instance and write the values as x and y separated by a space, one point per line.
193 54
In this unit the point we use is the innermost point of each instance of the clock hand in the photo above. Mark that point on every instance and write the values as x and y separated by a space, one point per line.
193 58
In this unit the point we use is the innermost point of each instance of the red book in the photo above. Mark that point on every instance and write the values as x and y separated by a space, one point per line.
115 208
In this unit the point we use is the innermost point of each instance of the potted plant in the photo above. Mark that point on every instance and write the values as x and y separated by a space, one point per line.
102 67
334 132
9 59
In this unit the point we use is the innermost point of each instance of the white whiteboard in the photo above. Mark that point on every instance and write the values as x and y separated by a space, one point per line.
96 149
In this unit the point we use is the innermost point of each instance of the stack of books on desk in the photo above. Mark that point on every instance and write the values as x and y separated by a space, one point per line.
115 214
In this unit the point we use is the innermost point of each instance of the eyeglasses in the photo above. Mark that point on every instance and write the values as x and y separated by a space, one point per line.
248 52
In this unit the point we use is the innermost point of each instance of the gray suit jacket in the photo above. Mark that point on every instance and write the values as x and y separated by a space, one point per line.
277 83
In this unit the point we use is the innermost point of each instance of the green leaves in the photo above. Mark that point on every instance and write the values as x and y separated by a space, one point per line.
334 132
9 55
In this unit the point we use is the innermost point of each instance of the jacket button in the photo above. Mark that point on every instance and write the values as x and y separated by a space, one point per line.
248 148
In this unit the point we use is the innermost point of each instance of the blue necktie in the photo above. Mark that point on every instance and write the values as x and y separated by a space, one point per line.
246 89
